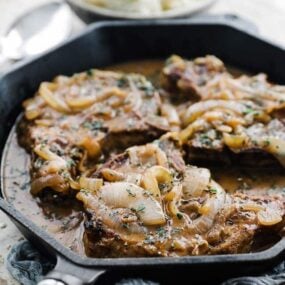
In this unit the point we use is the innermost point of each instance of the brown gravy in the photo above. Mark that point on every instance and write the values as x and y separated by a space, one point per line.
64 221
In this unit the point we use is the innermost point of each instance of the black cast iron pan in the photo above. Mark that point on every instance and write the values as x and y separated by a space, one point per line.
108 43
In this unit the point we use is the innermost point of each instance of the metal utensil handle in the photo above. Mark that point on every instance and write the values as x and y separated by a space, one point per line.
67 273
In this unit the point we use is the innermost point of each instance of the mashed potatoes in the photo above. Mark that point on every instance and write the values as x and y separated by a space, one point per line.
144 7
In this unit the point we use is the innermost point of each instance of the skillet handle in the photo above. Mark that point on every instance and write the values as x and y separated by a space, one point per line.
67 273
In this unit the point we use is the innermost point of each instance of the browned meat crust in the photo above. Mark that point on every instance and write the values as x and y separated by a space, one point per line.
236 229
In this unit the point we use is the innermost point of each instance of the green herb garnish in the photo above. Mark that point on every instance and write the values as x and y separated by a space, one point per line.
130 193
126 226
250 111
122 82
266 143
205 140
140 208
70 163
179 216
89 72
213 190
161 232
93 126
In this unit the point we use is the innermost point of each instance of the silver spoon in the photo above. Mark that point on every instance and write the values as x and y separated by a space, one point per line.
35 32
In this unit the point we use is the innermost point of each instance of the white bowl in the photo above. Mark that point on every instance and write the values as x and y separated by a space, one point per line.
89 12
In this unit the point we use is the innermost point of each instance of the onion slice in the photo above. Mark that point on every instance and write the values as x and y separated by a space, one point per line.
269 217
92 184
210 209
51 98
195 181
127 195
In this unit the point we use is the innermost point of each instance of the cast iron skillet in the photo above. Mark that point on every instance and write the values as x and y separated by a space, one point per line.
112 42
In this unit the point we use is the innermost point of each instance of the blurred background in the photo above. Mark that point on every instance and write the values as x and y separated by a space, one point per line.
269 16
28 28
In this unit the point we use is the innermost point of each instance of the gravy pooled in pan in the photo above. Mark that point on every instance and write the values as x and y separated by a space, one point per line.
114 159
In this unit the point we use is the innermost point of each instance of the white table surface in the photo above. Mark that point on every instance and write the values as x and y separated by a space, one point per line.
268 16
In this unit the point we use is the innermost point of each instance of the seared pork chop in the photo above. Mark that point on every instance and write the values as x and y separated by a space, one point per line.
236 120
74 121
146 202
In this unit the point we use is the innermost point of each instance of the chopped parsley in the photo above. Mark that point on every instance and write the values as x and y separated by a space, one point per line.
149 239
250 111
56 149
93 126
89 72
176 231
65 175
140 208
255 143
38 163
84 191
147 88
125 225
43 145
70 163
130 123
122 82
179 216
266 143
213 190
130 192
161 232
205 140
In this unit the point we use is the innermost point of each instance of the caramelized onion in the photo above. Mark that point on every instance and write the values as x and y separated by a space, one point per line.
112 175
269 217
33 107
195 181
127 195
197 109
153 177
54 181
252 207
91 145
32 114
43 123
110 92
170 113
173 198
275 146
148 153
210 209
110 217
56 163
235 141
134 178
80 103
46 92
92 184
